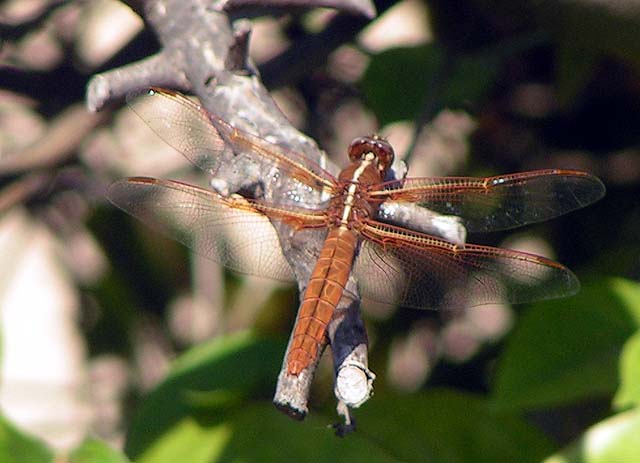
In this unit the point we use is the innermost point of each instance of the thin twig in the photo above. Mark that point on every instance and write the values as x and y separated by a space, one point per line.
57 145
23 189
360 7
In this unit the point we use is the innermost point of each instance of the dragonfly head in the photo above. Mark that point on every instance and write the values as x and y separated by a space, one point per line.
373 146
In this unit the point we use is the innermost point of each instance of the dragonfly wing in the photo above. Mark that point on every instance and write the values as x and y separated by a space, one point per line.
233 231
182 124
400 267
207 141
498 203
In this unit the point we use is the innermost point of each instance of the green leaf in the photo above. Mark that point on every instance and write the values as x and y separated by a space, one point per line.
397 81
96 451
470 80
404 83
614 440
566 350
181 421
449 426
17 447
219 375
441 426
259 433
628 394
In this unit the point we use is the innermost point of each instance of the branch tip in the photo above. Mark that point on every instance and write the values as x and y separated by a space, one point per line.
354 383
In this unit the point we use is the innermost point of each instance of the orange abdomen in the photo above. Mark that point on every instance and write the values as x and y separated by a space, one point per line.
321 297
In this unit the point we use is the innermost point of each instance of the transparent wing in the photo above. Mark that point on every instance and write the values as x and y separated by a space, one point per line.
233 231
400 267
206 140
498 203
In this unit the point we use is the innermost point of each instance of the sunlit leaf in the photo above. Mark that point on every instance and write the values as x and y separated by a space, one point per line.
95 451
18 447
219 375
614 440
629 392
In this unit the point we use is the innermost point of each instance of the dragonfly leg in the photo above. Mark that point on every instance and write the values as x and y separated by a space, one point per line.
349 425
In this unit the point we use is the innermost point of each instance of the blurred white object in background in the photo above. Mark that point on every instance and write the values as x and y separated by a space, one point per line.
43 378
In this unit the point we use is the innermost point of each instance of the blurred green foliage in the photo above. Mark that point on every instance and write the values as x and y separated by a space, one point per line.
211 406
95 451
16 447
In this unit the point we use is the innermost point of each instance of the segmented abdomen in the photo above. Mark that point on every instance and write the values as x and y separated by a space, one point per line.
321 297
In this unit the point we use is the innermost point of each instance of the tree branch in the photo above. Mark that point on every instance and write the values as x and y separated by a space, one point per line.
203 52
23 189
164 69
358 7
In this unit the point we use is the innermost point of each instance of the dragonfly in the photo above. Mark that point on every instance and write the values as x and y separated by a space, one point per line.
392 263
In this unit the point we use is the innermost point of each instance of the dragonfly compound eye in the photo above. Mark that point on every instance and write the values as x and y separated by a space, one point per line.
375 144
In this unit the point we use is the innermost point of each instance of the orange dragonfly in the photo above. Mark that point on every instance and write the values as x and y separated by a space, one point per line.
391 263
